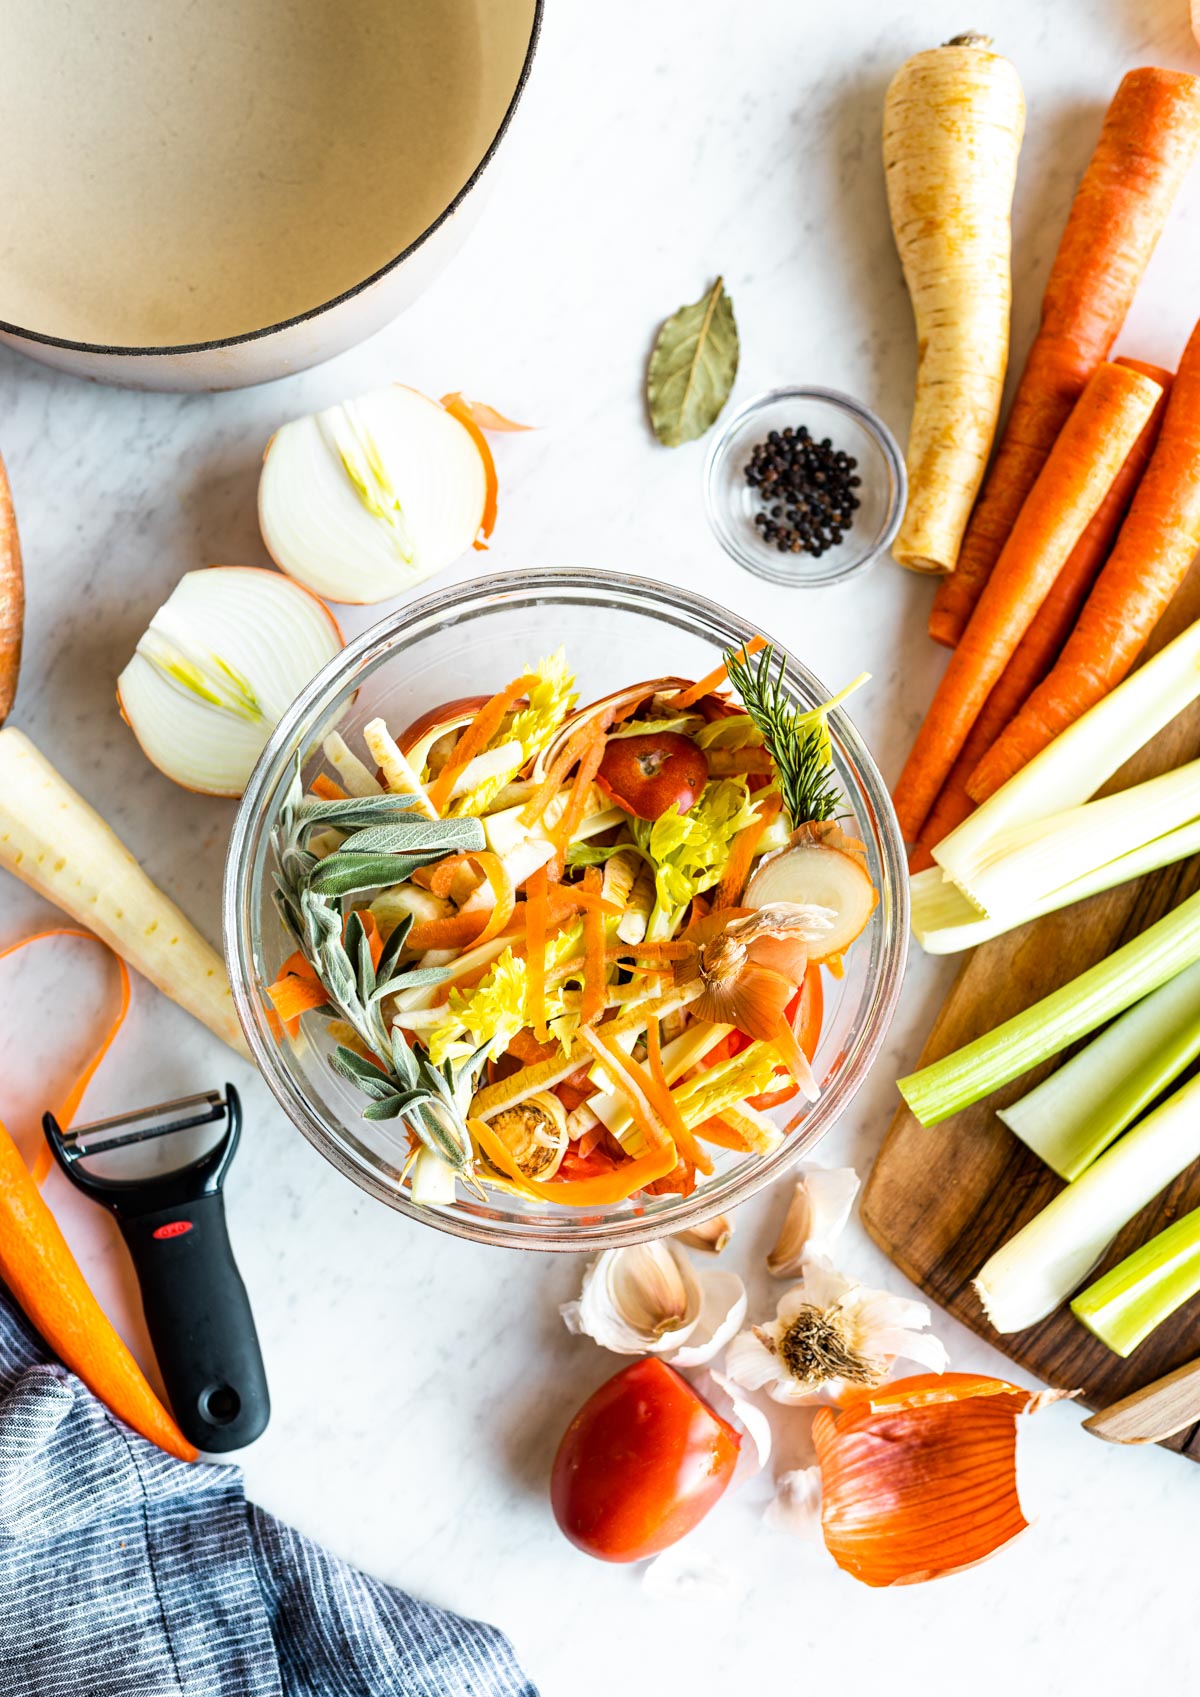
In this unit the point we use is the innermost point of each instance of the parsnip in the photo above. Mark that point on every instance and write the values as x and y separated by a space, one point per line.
54 842
953 122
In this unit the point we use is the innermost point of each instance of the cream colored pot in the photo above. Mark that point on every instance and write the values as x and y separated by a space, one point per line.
206 196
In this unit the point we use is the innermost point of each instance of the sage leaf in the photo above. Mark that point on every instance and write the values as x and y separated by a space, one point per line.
692 367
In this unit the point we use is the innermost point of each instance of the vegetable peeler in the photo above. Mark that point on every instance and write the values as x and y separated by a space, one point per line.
197 1310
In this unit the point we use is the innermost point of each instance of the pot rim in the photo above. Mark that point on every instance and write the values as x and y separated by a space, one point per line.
150 351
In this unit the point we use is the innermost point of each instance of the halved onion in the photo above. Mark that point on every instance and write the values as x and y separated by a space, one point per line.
224 657
812 872
364 500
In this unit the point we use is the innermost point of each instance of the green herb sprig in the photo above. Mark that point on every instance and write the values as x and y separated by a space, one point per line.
797 742
387 840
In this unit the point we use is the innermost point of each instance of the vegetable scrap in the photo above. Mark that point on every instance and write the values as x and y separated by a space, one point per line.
508 932
807 489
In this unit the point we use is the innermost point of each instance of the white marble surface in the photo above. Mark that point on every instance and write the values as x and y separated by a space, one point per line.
420 1384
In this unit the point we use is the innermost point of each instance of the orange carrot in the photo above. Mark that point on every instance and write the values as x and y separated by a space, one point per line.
1156 545
475 739
1149 138
537 919
624 1180
12 598
465 930
1042 643
574 898
556 774
595 987
324 786
585 775
296 990
745 846
716 1131
1070 487
715 679
668 1106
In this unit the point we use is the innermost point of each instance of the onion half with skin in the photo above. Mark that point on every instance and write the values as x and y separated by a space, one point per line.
815 871
363 500
222 660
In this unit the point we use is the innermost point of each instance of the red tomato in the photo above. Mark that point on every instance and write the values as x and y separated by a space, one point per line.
641 1464
649 775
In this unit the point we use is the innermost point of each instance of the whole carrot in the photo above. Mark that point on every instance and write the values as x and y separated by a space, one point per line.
1089 452
1042 643
12 598
1148 141
44 1277
1156 545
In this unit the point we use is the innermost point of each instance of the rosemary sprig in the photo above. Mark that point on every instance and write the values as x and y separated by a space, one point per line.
386 841
797 742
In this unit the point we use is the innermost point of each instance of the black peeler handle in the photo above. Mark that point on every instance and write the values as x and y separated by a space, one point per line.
200 1323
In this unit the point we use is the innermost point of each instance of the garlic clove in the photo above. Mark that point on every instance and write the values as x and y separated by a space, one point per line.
796 1505
723 1397
644 1300
817 1214
711 1236
722 1312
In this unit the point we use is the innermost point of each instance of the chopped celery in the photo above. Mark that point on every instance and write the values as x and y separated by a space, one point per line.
1073 1116
944 921
1051 1256
1017 868
1106 989
1086 755
1137 1295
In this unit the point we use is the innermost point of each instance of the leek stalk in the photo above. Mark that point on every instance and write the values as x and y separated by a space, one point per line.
1108 988
1051 1256
1086 755
944 922
1138 1294
1072 1116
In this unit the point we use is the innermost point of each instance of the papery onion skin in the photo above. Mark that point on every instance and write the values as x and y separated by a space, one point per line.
918 1477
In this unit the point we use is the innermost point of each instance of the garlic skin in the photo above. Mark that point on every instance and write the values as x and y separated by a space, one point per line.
650 1300
831 1333
796 1505
710 1236
722 1396
816 1216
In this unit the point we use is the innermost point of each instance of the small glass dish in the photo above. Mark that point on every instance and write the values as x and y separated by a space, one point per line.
731 503
465 640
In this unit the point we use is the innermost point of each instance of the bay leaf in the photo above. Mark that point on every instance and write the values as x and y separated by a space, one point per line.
692 367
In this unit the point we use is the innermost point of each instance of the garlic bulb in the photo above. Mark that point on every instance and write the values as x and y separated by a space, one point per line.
650 1300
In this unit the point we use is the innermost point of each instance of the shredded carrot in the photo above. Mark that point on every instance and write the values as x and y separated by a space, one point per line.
526 1048
668 1106
296 990
1149 138
465 930
745 846
1075 478
556 773
537 918
573 812
624 1181
442 875
475 738
632 1082
595 985
571 898
716 1131
324 786
460 408
715 679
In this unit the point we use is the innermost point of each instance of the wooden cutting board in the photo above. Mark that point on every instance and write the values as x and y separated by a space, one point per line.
941 1199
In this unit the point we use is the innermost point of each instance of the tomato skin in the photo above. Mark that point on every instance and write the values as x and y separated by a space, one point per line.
641 1463
648 775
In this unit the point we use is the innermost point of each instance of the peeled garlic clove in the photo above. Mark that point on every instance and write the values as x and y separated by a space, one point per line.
644 1300
722 1311
710 1235
363 500
820 1206
223 659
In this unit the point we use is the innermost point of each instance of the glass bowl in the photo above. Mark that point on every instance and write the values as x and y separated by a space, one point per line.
471 639
731 503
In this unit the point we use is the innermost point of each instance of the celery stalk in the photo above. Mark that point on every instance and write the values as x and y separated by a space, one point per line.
1138 1294
1106 989
1072 1116
1078 762
1051 1256
1019 867
944 921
